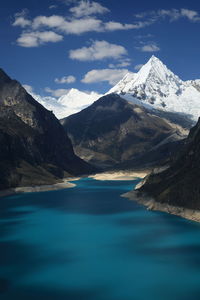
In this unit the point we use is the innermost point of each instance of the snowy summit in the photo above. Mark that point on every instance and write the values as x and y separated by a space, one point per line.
71 103
157 87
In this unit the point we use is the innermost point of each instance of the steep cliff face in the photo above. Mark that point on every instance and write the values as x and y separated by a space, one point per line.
179 185
34 147
113 133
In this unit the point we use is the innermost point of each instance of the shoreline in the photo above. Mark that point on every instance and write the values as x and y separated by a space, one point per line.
120 175
115 175
39 188
133 195
151 204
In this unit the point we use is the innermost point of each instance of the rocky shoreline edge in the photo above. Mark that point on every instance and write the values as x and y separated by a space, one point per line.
151 204
39 188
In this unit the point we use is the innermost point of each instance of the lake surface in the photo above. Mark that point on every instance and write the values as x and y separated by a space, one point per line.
88 243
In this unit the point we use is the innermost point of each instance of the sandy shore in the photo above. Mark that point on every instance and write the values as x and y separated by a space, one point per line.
151 204
132 175
39 188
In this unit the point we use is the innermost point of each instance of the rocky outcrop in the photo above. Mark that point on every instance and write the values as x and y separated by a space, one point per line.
179 185
34 149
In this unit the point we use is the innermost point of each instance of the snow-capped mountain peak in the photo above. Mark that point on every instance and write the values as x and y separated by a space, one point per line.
75 98
71 103
157 87
153 80
155 70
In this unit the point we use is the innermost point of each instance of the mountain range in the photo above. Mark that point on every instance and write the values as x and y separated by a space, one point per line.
142 122
139 122
154 87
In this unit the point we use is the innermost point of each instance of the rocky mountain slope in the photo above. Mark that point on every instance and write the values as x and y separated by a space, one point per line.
179 185
113 133
155 86
34 146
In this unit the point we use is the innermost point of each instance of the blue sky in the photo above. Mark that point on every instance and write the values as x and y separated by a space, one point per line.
54 45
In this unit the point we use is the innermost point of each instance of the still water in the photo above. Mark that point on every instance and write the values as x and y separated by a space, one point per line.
88 243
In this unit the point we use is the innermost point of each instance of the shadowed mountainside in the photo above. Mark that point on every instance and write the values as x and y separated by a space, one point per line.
34 146
113 133
179 184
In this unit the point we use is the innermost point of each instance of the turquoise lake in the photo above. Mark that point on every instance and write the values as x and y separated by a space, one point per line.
88 243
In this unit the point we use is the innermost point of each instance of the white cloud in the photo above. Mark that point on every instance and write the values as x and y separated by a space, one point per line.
21 19
138 67
173 15
112 76
121 64
37 38
88 24
143 36
53 6
99 50
82 20
74 26
151 47
112 26
192 15
22 22
87 8
66 79
52 21
56 93
79 26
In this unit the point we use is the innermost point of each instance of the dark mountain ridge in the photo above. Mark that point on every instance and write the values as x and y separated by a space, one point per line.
113 133
34 146
179 185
